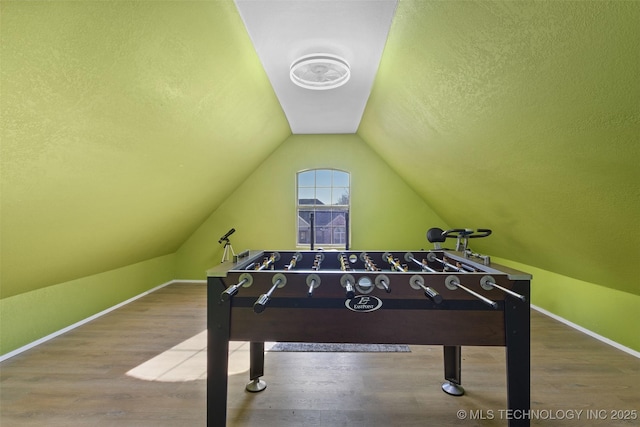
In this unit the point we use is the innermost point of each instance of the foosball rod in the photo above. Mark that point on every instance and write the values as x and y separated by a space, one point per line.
317 260
313 280
233 289
417 282
452 283
488 283
279 280
396 265
275 256
292 264
382 282
347 280
423 265
432 257
368 262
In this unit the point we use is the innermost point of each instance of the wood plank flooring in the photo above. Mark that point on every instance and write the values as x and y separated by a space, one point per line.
80 379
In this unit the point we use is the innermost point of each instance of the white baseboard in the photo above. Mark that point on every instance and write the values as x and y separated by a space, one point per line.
90 318
110 309
587 331
189 282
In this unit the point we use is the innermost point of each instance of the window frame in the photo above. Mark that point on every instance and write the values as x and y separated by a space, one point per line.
346 208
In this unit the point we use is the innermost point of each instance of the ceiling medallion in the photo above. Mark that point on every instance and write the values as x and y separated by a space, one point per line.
320 71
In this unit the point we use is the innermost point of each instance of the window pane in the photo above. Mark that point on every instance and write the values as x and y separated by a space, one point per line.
322 227
339 229
306 196
304 217
323 195
338 219
303 227
340 179
323 218
323 178
340 196
307 179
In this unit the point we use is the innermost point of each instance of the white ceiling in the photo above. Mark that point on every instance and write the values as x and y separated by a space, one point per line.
284 30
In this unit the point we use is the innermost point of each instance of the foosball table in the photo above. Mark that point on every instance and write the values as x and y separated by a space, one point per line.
436 297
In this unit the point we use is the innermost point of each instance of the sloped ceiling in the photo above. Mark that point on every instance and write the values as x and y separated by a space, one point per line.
125 124
522 117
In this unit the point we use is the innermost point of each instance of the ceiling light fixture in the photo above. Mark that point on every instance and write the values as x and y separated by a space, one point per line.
320 71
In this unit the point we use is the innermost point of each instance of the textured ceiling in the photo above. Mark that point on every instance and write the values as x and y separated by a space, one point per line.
284 30
125 124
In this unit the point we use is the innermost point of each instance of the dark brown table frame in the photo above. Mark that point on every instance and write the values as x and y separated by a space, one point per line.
406 316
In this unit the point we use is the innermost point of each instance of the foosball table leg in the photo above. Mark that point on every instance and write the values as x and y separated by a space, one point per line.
256 368
218 332
452 370
518 355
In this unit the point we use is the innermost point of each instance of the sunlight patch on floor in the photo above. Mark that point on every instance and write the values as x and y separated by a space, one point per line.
187 361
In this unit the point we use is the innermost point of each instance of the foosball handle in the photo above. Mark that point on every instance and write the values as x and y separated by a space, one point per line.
229 292
417 282
350 291
347 282
433 295
245 280
261 303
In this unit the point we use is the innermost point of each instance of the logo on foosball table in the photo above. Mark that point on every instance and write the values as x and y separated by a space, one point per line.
363 303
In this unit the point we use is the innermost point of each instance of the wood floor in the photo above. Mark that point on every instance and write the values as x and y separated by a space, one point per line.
80 379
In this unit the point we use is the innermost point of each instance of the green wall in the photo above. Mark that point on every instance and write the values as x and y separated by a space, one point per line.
29 316
608 312
385 213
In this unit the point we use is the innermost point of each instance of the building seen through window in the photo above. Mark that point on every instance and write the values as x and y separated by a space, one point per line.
325 194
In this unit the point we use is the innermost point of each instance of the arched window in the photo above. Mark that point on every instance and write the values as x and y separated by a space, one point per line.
325 194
